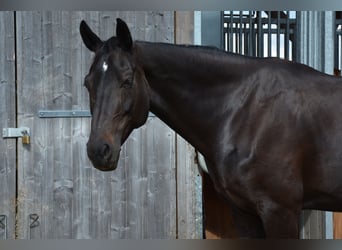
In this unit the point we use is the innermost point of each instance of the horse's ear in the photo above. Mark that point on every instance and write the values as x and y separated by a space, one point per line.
124 35
90 39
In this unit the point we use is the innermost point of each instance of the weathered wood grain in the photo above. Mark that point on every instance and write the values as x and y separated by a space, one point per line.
7 119
56 179
189 181
45 167
337 217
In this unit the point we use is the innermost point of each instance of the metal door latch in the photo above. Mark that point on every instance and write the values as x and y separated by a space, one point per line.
22 132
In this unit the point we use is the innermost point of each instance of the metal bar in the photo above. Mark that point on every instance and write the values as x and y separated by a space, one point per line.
15 132
250 36
299 29
63 113
230 48
245 39
236 38
294 39
278 33
269 45
336 59
340 40
68 114
287 35
339 65
260 35
340 48
240 33
225 43
226 30
223 37
226 27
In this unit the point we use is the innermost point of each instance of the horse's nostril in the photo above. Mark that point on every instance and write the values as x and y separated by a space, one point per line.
105 151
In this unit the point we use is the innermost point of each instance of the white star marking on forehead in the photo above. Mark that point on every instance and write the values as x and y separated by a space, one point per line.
104 66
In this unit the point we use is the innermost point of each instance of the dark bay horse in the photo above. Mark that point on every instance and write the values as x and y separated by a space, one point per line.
270 130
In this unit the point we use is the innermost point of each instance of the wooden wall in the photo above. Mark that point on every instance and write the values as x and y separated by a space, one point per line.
337 219
152 194
7 119
49 189
189 180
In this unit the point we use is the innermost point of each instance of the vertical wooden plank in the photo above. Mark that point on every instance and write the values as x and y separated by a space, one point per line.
312 224
143 186
82 167
160 149
44 167
29 66
149 191
337 218
53 170
91 202
56 179
7 119
189 193
117 200
313 47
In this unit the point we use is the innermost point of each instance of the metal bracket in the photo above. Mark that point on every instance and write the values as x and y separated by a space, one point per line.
15 132
63 113
68 113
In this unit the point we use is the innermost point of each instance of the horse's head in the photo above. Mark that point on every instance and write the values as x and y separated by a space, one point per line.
119 100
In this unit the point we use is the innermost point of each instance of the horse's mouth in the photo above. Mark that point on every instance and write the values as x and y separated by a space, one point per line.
106 165
107 168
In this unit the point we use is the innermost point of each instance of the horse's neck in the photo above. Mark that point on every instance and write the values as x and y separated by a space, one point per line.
186 88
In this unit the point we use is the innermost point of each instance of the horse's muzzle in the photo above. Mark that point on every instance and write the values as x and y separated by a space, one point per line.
103 156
